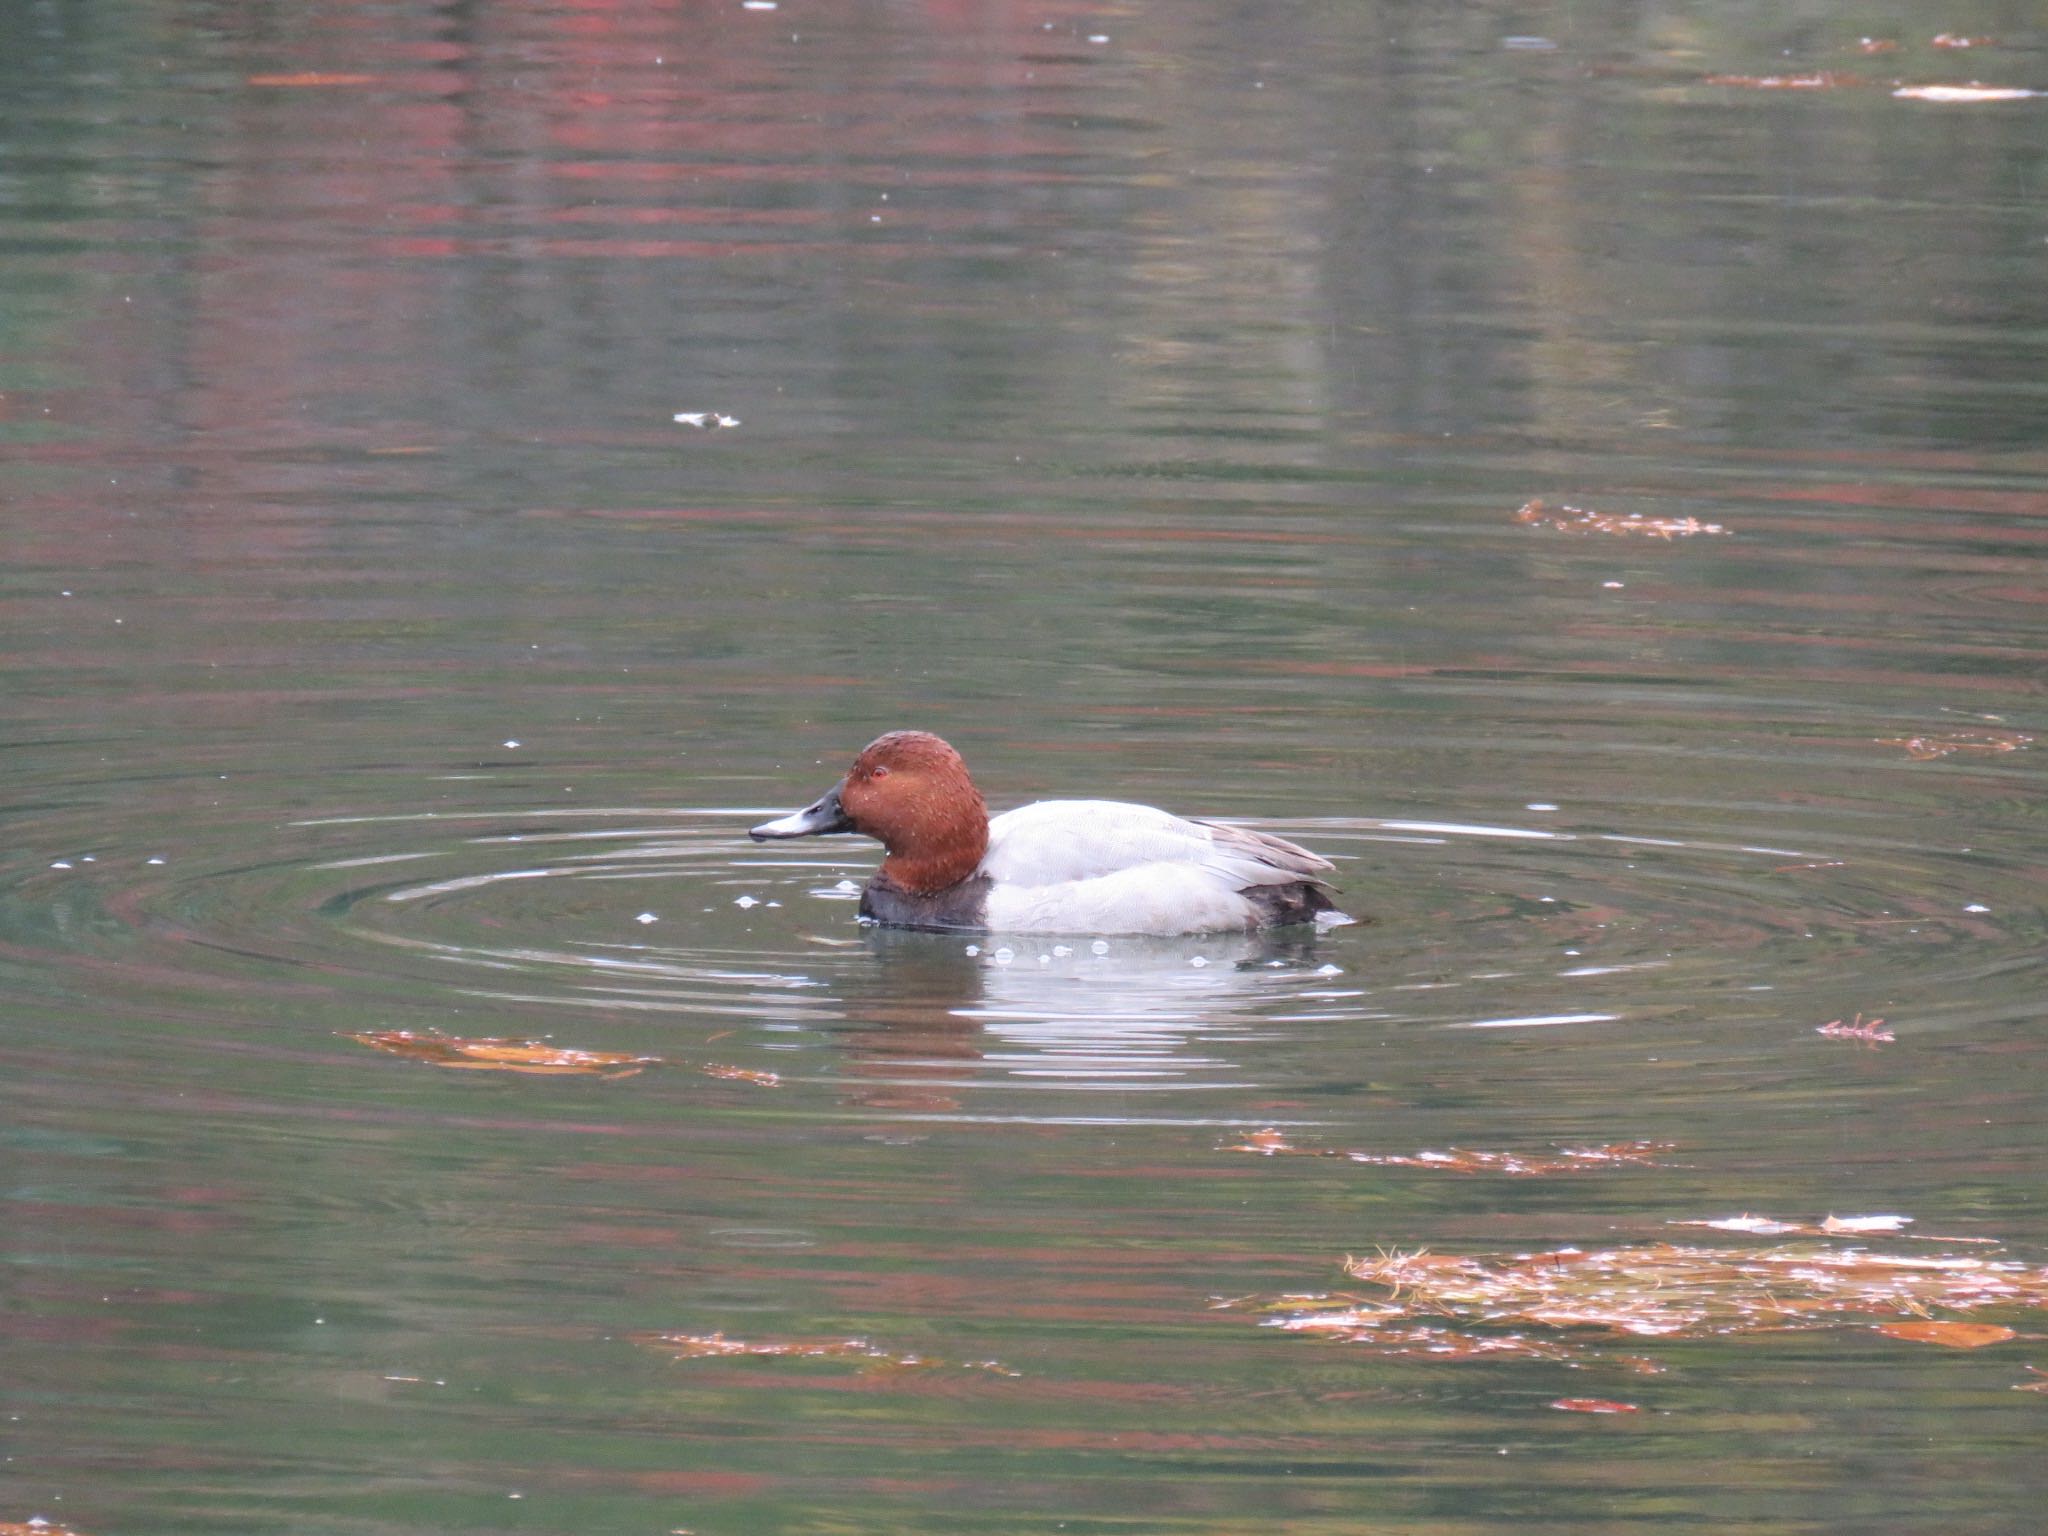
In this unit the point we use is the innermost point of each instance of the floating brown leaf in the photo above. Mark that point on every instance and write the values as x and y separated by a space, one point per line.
1951 40
1954 1335
1927 748
1873 1033
1524 1164
1546 1304
311 78
493 1055
1569 519
742 1075
35 1527
1273 1143
1267 1143
1594 1405
710 1346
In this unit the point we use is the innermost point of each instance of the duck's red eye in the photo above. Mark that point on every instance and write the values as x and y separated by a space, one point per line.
879 771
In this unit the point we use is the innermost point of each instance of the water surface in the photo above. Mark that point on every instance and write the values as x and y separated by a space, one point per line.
1145 401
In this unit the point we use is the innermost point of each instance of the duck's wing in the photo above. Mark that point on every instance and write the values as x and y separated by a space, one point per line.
1060 840
1276 860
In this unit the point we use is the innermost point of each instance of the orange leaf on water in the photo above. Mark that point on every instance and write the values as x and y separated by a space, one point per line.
1953 1335
742 1075
1266 1143
1594 1405
1555 1304
1925 749
311 77
493 1055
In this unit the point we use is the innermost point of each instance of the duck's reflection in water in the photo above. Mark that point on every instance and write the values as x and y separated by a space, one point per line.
937 1018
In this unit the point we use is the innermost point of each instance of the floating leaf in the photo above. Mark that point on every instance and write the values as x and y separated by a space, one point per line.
1953 1335
1873 1033
742 1075
708 1346
492 1055
1569 519
35 1527
311 78
1927 748
1273 1143
1951 40
1816 80
1520 1164
1594 1405
1266 1143
1548 1304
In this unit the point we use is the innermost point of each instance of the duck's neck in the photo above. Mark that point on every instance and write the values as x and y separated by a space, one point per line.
939 847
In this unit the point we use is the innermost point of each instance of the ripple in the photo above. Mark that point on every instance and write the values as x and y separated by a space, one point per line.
662 931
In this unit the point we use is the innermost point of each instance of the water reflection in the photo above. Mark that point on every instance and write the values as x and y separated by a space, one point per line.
1143 397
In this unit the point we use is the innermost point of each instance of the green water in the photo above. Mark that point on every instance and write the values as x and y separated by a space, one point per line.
1143 398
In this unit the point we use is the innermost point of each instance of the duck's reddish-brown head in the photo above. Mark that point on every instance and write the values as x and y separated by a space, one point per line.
910 791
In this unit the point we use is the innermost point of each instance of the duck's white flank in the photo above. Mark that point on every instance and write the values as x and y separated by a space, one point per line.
1065 866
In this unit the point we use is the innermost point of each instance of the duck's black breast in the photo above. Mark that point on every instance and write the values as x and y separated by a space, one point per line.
962 907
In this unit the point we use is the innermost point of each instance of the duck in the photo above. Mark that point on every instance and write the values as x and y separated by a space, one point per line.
1102 867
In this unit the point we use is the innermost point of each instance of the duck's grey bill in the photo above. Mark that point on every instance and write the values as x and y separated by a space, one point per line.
822 815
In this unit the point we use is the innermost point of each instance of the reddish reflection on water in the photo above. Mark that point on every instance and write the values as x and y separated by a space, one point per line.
1143 398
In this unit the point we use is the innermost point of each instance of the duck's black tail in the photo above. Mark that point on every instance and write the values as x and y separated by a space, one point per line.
1280 905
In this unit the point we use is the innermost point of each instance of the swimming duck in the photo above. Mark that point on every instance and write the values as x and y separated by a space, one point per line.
1059 866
